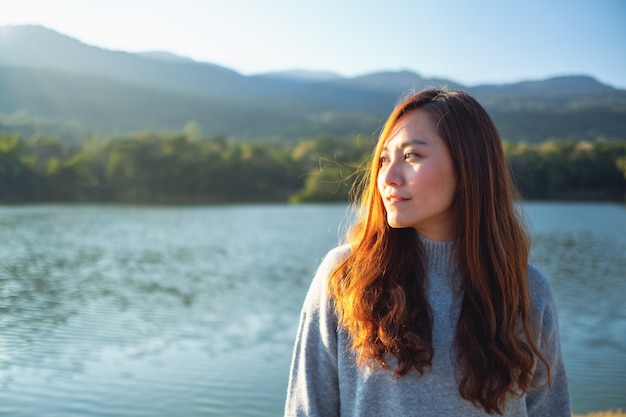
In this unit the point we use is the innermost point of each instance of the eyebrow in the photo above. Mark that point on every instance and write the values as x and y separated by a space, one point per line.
414 142
408 143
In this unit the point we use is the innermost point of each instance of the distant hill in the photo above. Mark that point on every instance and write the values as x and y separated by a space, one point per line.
164 56
572 84
53 83
302 75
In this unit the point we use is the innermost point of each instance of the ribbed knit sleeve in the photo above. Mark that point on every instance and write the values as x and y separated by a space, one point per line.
547 400
313 388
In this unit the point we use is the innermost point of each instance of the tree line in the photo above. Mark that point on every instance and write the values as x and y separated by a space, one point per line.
182 167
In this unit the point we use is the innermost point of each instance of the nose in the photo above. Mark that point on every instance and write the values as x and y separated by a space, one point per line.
390 173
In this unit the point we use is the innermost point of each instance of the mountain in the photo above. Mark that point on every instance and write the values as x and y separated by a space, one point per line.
53 83
302 75
557 85
164 56
39 47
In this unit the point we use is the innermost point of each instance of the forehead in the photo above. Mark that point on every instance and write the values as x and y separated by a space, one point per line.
415 127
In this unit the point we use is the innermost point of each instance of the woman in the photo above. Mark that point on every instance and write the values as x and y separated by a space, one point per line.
431 308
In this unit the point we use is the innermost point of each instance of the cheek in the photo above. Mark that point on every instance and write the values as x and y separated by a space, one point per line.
380 183
450 185
444 174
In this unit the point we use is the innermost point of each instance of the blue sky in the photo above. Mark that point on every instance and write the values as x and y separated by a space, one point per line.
470 42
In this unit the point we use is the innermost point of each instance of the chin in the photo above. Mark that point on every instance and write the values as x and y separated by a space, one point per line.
395 224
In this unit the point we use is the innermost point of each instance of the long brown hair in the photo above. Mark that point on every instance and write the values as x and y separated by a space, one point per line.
379 289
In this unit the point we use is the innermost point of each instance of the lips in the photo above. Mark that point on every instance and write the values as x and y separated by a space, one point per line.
393 198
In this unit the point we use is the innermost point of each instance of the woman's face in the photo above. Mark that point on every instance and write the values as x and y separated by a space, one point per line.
416 180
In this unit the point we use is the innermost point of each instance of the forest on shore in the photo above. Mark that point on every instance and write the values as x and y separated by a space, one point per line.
182 167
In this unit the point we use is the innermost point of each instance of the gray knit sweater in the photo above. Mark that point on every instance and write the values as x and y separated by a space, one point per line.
325 381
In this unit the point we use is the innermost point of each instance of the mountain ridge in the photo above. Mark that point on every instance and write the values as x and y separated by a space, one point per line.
30 35
161 90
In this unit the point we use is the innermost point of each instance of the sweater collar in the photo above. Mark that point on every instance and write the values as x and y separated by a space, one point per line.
437 254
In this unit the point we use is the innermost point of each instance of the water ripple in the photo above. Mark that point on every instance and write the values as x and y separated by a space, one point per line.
148 311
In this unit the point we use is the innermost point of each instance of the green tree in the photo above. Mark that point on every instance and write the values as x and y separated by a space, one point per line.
17 175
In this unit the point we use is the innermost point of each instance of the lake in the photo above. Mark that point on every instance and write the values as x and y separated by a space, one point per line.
192 311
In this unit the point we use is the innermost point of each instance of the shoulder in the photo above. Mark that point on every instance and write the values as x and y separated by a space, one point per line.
542 299
334 257
317 291
331 261
317 318
539 286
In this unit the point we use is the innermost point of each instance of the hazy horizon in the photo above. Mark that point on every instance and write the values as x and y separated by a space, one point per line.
488 42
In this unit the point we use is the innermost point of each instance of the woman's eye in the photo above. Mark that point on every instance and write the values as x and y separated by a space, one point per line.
383 159
411 155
